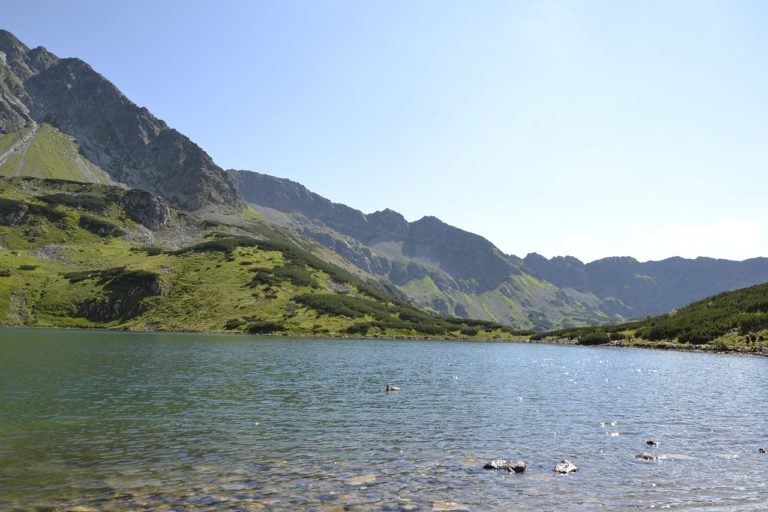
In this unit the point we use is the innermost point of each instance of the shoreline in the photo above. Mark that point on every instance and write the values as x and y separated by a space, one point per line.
663 345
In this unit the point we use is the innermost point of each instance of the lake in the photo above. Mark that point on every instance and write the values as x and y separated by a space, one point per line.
93 420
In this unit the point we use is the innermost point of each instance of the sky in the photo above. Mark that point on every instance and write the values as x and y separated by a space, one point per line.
583 128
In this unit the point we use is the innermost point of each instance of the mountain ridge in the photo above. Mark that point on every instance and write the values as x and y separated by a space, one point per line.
61 119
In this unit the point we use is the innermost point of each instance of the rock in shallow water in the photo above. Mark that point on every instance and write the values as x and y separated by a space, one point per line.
566 466
761 450
645 456
652 442
448 506
513 466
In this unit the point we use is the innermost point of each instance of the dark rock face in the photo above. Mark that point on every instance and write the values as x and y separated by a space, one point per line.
288 196
146 209
463 255
567 271
566 466
512 466
127 141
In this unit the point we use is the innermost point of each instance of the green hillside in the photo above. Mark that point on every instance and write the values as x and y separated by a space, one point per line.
720 322
45 152
74 255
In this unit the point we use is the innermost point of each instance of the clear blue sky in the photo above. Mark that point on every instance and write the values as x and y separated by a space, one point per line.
590 128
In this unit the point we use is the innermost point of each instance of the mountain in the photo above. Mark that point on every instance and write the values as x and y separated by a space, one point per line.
437 266
61 119
88 255
720 322
445 269
652 287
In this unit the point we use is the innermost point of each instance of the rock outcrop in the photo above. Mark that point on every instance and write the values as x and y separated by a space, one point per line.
147 209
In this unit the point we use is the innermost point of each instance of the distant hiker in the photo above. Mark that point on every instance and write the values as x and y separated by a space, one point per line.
752 337
760 344
747 340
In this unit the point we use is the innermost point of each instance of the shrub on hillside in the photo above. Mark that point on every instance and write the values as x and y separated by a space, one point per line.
265 327
594 338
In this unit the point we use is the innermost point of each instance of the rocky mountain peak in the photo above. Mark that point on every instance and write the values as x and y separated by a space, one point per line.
113 133
387 225
10 44
22 61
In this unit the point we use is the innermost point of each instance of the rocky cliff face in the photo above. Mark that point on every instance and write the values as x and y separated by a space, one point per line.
128 142
288 196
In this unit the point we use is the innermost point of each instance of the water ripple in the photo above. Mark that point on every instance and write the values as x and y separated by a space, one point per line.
125 421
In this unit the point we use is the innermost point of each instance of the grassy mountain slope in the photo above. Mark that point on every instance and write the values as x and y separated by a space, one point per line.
77 255
45 152
718 322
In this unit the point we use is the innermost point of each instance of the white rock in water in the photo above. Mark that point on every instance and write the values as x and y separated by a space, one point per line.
516 466
566 466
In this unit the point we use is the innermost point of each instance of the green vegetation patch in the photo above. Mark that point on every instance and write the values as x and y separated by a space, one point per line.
88 202
265 327
15 213
717 321
296 257
292 272
52 154
99 227
124 292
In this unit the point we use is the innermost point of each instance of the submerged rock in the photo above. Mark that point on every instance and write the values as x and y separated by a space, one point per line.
392 388
565 466
645 456
513 466
652 442
448 506
360 480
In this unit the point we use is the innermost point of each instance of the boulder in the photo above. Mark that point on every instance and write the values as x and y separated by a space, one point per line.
512 466
645 456
652 442
761 450
565 466
147 209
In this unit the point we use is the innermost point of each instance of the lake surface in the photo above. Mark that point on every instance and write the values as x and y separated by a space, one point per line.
131 421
